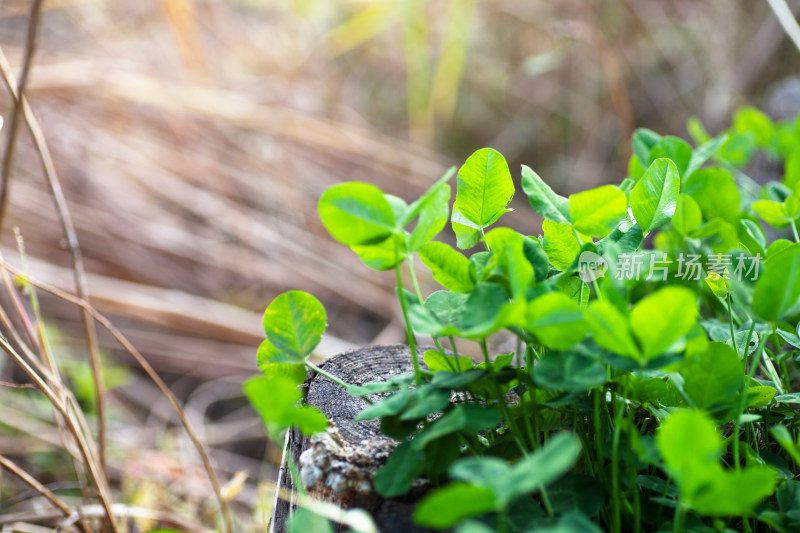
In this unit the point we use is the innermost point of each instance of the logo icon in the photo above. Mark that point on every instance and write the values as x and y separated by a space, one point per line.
591 266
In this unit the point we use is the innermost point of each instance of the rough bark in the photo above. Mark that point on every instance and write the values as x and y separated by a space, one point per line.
339 465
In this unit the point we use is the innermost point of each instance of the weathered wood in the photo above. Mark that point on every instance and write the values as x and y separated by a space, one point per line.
338 466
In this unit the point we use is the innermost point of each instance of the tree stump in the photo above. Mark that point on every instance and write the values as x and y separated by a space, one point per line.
339 465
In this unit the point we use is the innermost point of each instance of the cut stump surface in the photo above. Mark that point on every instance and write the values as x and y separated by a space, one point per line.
339 465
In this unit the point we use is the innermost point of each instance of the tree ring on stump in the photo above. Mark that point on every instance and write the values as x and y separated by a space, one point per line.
339 464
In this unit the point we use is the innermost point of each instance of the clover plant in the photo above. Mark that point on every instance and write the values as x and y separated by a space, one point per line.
655 377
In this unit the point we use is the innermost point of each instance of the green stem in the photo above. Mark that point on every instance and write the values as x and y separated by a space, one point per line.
453 345
523 402
332 378
501 404
619 414
598 432
502 521
679 518
441 349
742 394
597 293
730 323
294 472
637 504
525 413
412 341
546 501
413 275
529 356
794 231
580 296
616 517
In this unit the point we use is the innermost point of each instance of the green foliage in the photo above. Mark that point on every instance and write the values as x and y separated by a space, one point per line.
357 213
484 190
556 320
489 484
655 377
655 196
597 211
777 292
451 269
277 399
663 318
294 323
543 200
691 448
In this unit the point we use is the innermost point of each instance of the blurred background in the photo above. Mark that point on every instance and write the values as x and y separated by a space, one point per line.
194 137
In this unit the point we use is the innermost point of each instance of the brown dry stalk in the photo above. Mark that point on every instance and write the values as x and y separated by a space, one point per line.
96 511
16 109
151 373
8 385
40 377
43 357
11 466
64 217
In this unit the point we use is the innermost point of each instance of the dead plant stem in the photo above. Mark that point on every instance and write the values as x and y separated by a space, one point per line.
151 373
16 108
11 466
79 272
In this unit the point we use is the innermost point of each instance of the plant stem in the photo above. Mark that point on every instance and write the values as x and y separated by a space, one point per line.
637 505
529 355
598 432
413 275
453 345
547 505
502 519
742 396
295 473
501 404
412 342
619 414
523 402
441 349
333 378
679 518
730 323
794 231
616 517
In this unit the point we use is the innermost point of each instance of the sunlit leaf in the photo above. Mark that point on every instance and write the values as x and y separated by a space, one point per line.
294 323
542 198
448 505
449 267
654 198
777 291
597 211
356 213
663 318
485 187
610 329
556 319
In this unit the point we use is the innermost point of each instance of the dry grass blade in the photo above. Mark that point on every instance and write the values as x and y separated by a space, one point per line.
151 373
16 110
68 228
41 489
61 399
787 20
96 511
